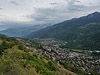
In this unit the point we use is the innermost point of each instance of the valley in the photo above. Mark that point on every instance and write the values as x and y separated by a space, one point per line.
49 37
81 62
71 47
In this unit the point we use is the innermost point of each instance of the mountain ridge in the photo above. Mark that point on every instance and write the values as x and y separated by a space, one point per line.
22 31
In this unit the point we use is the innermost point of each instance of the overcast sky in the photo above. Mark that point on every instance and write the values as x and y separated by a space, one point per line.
13 12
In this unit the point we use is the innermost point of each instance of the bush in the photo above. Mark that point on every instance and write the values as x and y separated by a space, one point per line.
21 47
50 65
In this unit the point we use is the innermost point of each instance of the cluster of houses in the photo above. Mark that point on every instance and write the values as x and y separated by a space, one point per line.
83 61
86 63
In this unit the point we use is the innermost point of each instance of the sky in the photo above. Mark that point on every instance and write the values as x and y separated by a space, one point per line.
14 13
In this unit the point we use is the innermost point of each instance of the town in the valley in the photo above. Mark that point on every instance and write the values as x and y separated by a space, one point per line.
80 58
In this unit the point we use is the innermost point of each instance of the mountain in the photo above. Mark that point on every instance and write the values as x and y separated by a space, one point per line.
80 33
22 31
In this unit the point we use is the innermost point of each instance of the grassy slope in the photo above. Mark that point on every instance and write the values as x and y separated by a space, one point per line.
0 41
17 60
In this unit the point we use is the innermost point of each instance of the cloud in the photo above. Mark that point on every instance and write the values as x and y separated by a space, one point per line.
36 1
61 12
54 4
1 8
45 15
14 2
45 11
57 13
11 24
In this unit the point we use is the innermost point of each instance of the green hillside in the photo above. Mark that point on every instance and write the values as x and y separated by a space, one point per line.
16 59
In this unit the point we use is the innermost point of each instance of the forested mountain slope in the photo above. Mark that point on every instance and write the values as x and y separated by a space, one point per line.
80 33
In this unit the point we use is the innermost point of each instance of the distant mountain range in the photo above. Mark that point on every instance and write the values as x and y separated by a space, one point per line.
22 31
80 33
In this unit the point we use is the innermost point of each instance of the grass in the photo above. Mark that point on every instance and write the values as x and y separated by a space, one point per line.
0 41
63 71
